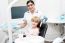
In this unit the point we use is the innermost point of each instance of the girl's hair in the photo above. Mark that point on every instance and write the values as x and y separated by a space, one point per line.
30 1
37 20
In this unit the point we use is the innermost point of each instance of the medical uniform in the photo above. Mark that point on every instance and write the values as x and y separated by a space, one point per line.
28 16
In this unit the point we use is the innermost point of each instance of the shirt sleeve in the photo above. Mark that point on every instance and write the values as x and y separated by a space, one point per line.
25 15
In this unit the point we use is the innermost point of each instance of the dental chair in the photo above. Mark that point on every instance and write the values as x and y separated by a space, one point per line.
43 29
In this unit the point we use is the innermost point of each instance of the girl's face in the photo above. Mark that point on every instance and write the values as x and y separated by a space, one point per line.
34 24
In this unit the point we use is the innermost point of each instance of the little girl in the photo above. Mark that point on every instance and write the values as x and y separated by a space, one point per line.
35 25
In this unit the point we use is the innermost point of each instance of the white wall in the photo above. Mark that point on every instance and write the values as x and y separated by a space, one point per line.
20 3
63 6
51 8
3 10
9 1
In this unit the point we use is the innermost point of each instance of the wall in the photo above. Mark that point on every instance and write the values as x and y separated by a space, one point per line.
20 3
63 6
50 8
9 1
3 11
